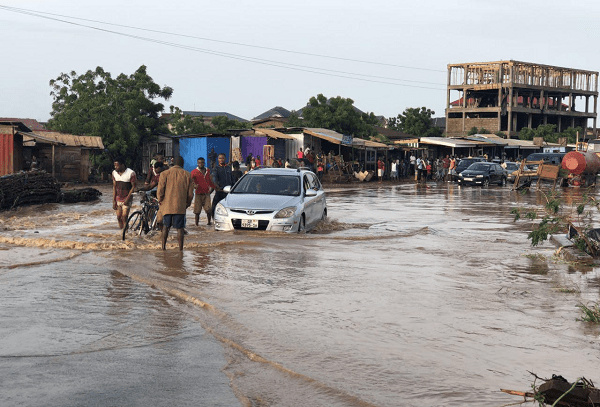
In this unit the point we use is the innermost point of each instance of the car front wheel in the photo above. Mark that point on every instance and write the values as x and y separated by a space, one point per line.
502 182
302 225
486 182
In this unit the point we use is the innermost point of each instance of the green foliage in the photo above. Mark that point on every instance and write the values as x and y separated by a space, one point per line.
484 131
517 213
185 124
527 134
415 121
221 124
338 114
571 134
547 226
120 110
590 314
500 134
473 131
549 134
553 205
294 120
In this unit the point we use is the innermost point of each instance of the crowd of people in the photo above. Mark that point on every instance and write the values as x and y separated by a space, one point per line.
421 168
176 189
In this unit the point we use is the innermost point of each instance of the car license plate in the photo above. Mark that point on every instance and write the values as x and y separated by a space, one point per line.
250 223
468 179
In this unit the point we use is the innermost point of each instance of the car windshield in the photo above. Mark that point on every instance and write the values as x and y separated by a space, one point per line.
512 166
268 184
478 167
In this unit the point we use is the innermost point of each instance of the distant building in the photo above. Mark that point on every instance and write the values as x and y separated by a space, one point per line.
507 96
275 117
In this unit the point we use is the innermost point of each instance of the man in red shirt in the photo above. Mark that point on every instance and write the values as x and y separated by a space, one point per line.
446 166
204 187
380 169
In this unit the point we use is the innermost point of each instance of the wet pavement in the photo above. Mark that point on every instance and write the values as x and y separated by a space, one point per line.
407 296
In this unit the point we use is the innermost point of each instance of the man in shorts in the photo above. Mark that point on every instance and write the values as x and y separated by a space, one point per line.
175 193
204 187
123 187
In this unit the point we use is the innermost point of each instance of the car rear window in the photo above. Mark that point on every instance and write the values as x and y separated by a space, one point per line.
268 184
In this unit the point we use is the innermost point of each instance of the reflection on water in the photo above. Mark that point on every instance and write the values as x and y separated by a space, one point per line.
406 295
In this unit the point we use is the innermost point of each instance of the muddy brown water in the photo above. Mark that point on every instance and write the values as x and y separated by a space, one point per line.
407 296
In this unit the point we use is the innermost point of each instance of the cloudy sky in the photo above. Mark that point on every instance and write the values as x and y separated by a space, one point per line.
245 57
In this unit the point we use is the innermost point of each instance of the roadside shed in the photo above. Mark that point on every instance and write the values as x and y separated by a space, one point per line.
66 156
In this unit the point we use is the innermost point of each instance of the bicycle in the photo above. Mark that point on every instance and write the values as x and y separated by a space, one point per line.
144 220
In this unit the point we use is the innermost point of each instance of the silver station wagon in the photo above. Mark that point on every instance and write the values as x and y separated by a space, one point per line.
273 199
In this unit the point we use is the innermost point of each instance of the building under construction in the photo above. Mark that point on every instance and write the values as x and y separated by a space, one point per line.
507 96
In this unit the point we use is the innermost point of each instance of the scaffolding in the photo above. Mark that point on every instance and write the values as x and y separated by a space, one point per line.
507 96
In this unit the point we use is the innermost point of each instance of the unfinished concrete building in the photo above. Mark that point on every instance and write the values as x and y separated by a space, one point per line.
507 96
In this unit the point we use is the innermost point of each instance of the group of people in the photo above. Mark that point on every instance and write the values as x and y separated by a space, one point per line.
175 189
421 167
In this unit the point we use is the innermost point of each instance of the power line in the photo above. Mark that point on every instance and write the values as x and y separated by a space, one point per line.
17 9
296 67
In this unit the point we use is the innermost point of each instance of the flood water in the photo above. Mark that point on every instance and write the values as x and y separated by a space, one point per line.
407 296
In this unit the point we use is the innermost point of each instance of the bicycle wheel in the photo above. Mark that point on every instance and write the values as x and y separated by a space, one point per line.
134 225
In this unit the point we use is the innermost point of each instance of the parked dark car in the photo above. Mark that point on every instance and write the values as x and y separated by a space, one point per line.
484 174
549 158
465 163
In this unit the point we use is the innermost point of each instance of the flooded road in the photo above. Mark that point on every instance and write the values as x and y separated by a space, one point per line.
407 296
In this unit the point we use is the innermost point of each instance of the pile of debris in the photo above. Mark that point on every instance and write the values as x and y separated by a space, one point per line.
28 188
39 187
80 195
557 391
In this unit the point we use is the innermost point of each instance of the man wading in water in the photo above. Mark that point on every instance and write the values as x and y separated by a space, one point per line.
123 187
175 192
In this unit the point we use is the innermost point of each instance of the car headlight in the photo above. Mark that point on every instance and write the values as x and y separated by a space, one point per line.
479 176
221 210
286 212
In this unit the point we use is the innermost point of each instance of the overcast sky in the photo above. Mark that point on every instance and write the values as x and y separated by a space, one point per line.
406 46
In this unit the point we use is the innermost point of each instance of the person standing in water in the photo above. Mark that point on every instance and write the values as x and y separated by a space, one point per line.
175 193
124 181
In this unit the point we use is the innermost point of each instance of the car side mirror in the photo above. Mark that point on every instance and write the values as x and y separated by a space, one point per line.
227 189
310 193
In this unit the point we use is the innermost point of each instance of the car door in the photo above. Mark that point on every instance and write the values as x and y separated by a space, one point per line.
309 201
495 174
320 203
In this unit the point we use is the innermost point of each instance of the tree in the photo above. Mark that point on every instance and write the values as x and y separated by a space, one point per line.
294 120
222 123
186 124
338 114
415 121
548 133
120 110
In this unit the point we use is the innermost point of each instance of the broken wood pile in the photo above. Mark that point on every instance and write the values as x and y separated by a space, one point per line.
557 391
28 188
80 195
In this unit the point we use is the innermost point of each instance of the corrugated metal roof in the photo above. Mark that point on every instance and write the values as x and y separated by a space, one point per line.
70 140
272 133
326 134
32 138
449 142
31 124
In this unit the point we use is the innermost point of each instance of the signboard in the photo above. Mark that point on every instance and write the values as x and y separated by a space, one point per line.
346 140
